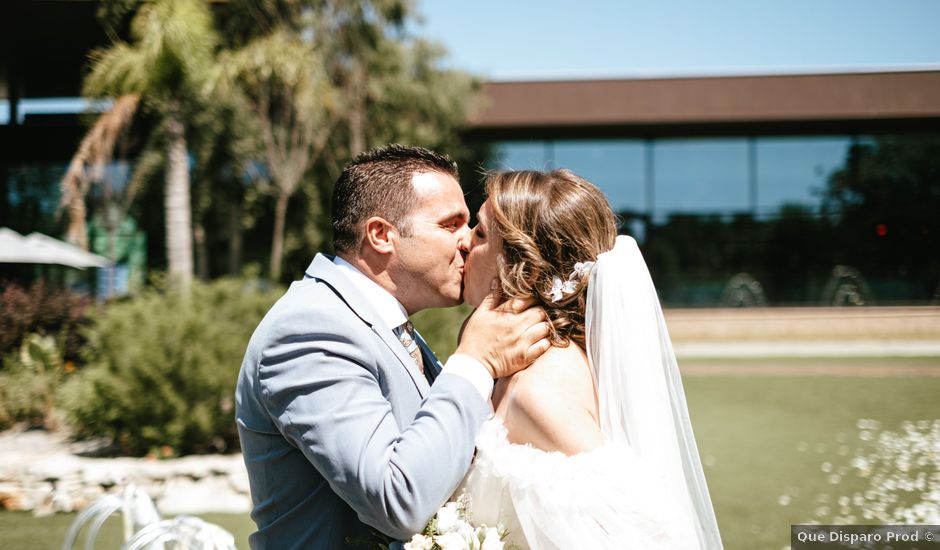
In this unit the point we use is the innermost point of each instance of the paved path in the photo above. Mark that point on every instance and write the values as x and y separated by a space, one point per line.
777 348
903 368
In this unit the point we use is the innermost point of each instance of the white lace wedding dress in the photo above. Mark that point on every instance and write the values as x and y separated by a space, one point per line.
644 488
605 498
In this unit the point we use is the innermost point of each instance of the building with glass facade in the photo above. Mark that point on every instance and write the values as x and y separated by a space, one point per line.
801 189
760 190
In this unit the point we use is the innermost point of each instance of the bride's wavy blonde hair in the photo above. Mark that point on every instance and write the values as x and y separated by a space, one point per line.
549 221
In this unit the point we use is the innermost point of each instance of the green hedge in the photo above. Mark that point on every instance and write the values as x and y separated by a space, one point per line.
439 328
161 368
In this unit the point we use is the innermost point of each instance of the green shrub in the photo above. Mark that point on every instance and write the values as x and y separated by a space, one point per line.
29 383
161 368
439 328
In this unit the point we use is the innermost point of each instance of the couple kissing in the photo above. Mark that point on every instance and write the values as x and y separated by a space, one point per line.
561 414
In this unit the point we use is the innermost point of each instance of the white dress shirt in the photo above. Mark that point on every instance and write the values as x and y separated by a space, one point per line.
393 314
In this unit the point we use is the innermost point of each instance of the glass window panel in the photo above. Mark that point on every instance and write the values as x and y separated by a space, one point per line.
518 155
33 194
793 170
700 175
614 166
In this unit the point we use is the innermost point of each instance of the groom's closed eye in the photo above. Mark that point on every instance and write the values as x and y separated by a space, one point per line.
453 223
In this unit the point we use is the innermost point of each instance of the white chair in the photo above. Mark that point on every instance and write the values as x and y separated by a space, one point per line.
136 507
143 527
182 532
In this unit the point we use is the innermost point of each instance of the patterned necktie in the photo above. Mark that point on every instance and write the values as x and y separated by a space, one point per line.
406 335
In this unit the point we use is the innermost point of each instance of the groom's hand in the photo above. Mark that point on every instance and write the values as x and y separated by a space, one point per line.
506 337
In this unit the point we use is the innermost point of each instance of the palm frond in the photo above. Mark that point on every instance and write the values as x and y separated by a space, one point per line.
89 161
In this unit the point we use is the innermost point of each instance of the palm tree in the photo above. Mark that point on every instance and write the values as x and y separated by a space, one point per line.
280 79
89 163
171 54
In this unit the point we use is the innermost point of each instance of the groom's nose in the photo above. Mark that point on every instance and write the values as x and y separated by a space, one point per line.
463 239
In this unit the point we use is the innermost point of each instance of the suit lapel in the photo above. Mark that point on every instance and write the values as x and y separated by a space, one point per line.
406 361
323 269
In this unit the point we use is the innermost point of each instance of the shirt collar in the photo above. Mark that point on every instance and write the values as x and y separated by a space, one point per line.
390 310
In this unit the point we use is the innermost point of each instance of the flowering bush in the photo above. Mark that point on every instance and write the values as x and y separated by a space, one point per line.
451 529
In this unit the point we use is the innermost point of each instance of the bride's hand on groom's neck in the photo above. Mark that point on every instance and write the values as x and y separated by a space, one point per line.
505 337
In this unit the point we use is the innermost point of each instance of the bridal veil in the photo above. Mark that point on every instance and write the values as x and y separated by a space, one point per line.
641 399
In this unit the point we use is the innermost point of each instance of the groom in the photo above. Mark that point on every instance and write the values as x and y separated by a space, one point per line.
348 423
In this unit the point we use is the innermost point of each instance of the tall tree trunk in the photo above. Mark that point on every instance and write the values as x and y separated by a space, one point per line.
235 237
357 138
77 232
179 228
202 251
111 230
357 115
277 241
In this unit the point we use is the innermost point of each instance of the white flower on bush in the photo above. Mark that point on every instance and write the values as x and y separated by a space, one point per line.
419 542
448 517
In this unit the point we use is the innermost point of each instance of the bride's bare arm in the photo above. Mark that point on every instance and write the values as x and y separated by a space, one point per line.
553 404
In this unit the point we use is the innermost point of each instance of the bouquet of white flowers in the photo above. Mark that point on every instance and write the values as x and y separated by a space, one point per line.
451 529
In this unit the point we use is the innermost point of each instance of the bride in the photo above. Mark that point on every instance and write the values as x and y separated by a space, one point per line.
591 446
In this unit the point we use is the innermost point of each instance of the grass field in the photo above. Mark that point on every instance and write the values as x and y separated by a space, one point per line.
752 428
749 430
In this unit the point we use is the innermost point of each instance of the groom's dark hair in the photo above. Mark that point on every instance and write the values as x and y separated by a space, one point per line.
378 183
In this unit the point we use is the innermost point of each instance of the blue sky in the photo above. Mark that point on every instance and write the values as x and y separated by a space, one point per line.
531 39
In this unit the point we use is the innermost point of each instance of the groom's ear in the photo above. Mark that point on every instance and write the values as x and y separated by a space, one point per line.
380 235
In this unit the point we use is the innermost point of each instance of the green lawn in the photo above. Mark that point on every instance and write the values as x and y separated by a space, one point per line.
22 531
752 426
748 429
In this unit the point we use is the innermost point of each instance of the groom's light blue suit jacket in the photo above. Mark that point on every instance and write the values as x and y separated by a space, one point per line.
339 435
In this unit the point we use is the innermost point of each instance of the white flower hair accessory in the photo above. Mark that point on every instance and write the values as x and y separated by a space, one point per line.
561 288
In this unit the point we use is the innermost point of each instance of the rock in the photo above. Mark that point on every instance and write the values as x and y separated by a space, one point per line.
62 501
54 469
213 494
37 494
239 482
13 498
40 471
107 472
9 472
153 470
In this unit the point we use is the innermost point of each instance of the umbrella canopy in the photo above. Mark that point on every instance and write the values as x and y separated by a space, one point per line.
37 248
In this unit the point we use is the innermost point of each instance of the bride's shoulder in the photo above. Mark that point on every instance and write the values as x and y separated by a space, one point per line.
557 367
552 404
560 377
